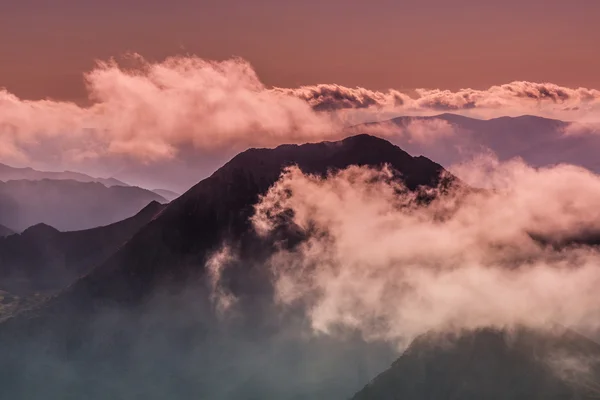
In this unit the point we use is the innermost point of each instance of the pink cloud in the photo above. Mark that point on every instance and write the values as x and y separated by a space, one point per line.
156 111
152 111
379 262
519 97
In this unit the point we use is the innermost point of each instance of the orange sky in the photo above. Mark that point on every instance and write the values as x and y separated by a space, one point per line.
46 46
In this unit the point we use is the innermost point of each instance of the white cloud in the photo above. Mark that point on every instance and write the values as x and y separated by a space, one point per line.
378 262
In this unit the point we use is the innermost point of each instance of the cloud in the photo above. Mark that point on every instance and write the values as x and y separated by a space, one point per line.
170 115
518 93
581 129
220 296
377 261
153 110
517 97
331 97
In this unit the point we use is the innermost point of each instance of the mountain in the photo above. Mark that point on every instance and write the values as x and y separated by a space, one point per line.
167 194
4 231
42 259
141 324
68 204
489 364
8 173
218 209
539 141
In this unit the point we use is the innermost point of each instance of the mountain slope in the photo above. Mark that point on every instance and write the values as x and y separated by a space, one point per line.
120 331
489 364
42 259
69 205
141 324
218 209
8 173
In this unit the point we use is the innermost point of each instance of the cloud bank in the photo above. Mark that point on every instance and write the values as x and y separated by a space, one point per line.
378 262
518 96
153 111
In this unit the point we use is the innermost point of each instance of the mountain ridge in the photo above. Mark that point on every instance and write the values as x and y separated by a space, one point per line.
218 209
539 141
15 173
68 204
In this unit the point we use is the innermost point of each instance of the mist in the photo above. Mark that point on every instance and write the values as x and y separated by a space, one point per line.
180 344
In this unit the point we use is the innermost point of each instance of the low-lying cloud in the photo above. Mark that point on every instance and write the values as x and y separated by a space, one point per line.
378 261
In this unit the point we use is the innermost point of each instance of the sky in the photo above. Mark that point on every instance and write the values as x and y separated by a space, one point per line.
378 44
148 90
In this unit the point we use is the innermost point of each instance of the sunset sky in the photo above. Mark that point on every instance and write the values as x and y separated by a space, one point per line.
379 44
138 89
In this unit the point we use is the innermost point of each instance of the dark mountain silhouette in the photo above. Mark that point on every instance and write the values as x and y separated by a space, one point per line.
140 324
69 205
42 259
4 231
218 209
488 364
539 141
167 194
143 317
8 173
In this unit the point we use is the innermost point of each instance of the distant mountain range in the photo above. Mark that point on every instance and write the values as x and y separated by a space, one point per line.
141 324
67 204
538 141
167 194
8 173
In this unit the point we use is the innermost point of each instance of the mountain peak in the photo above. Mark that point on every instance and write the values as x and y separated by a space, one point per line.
366 139
320 158
40 229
